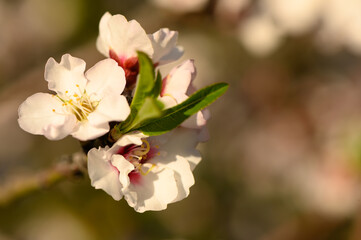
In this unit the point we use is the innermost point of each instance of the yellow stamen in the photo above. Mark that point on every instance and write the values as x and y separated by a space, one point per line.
81 106
171 96
148 171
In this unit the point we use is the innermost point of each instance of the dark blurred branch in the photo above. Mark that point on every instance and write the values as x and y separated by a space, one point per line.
69 166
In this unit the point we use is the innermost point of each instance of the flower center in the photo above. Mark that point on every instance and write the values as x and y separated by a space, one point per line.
138 155
80 106
129 65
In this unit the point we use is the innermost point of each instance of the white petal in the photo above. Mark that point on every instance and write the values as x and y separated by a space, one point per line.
113 107
173 55
103 40
179 80
124 168
164 44
193 157
156 190
182 142
43 114
195 121
130 138
182 172
66 77
87 131
125 38
102 174
104 77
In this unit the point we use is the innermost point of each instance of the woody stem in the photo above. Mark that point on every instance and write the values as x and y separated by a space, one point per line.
17 187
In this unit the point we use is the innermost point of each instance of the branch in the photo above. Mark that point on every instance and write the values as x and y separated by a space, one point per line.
69 166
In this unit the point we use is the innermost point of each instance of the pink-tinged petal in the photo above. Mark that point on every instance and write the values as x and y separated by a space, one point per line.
113 107
103 174
104 38
155 190
104 77
43 114
87 131
176 88
125 38
164 44
178 81
124 168
67 77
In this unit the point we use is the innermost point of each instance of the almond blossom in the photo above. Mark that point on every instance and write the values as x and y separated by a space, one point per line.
164 45
150 172
83 104
120 40
176 88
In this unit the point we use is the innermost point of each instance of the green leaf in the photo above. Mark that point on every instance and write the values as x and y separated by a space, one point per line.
174 116
144 105
145 83
157 85
150 109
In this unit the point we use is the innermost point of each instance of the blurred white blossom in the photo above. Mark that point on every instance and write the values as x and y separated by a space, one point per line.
260 35
231 6
294 16
341 21
335 23
181 6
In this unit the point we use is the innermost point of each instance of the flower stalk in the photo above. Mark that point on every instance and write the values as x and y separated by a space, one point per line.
70 166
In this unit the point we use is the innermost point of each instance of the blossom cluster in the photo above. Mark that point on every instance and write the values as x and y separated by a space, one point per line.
142 129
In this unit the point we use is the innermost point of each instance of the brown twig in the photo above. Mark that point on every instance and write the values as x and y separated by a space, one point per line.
69 166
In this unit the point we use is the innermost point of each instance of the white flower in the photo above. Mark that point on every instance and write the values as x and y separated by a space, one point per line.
176 88
164 43
150 172
122 37
120 40
84 104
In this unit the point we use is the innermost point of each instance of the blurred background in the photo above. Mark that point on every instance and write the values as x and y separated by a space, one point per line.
284 158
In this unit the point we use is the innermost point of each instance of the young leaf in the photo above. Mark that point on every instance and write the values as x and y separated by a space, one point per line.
157 85
144 100
150 109
145 83
174 116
